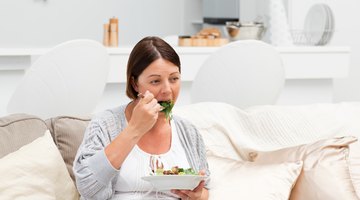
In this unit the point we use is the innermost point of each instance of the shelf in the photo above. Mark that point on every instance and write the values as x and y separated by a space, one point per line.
300 62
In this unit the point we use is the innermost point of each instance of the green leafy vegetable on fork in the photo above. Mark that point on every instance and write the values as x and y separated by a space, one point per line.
167 105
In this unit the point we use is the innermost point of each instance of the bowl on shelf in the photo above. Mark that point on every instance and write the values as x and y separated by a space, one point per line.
245 31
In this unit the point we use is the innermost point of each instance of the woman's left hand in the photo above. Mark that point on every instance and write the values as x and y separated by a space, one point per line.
194 194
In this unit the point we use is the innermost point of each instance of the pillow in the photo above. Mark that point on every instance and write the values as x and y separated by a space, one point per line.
269 127
36 171
68 133
219 125
233 179
354 162
17 130
325 174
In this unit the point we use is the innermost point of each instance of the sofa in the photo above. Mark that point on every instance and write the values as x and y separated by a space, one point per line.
302 152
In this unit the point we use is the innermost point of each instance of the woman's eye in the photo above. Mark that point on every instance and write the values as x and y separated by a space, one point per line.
174 79
154 81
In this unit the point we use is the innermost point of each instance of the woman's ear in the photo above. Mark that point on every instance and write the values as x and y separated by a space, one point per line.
134 84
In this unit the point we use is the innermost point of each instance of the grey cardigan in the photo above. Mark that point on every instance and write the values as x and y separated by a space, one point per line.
95 176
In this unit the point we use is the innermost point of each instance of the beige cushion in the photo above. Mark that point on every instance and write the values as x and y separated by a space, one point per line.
229 132
68 133
354 162
325 174
17 130
266 128
36 171
218 124
231 179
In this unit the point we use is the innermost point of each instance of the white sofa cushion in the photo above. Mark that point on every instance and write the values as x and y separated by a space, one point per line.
273 127
36 171
354 165
232 179
326 173
230 132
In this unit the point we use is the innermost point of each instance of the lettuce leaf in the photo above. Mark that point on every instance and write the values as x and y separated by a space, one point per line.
167 105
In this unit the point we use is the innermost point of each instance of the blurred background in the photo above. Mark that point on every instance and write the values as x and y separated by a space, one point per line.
45 23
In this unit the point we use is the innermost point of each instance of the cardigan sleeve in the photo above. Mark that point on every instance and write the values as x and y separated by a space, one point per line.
93 171
194 146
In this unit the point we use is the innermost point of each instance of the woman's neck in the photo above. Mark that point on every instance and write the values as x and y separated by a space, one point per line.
158 139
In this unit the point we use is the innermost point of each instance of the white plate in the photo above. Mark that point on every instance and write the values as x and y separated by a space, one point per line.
168 182
316 22
330 26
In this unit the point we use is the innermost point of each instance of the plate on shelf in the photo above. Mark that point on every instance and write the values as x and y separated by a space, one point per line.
168 182
316 23
330 26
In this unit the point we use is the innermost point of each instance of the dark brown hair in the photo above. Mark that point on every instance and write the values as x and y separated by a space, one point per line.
143 54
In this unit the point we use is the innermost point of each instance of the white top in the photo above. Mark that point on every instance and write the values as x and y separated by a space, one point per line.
130 185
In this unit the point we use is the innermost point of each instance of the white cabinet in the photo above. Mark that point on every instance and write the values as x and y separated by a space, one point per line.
309 72
299 62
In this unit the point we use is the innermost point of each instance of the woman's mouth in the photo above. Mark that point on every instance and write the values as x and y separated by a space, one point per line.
167 107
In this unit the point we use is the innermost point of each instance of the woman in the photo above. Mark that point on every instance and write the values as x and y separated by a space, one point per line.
126 143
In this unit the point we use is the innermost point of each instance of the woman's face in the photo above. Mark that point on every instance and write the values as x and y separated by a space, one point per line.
162 79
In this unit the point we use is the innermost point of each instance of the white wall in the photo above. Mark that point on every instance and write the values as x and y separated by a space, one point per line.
45 23
347 32
349 89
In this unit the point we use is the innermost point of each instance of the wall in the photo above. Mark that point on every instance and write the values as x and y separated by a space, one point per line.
347 33
45 23
349 89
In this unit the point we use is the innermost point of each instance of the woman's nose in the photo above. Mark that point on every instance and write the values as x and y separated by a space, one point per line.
166 88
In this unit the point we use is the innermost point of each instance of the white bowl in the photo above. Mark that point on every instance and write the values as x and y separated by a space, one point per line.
168 182
245 31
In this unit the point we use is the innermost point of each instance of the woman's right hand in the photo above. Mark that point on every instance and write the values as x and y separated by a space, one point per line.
143 117
145 113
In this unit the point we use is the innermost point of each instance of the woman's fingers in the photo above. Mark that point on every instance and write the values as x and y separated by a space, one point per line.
146 98
145 113
199 187
149 100
189 194
181 194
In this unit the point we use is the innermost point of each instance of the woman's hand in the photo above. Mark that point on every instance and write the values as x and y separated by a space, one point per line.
198 193
145 113
143 118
